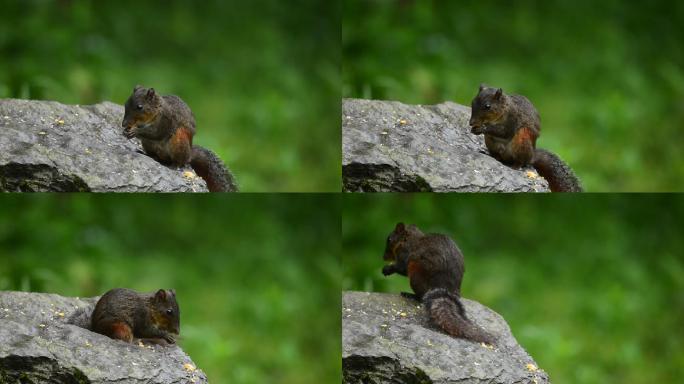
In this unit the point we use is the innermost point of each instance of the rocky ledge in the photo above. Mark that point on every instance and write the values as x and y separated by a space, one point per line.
387 338
388 146
38 345
46 146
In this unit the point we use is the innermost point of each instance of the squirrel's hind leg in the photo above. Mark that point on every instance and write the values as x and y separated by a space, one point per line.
120 330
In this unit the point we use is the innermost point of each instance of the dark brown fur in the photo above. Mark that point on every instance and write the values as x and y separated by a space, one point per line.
124 314
511 126
435 268
165 126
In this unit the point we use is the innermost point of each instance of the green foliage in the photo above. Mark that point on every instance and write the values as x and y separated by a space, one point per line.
257 277
606 76
262 77
591 287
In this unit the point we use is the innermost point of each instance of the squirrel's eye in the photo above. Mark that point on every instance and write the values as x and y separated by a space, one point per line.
139 106
169 311
487 106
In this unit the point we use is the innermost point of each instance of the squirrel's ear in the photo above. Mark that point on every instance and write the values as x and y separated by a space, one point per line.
150 93
160 295
482 86
498 93
400 227
173 292
138 86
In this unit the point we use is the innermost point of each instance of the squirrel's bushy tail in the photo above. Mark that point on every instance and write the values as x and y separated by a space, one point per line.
559 175
446 310
210 167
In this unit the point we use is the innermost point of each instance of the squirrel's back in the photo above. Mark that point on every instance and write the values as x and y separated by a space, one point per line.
180 112
525 113
438 263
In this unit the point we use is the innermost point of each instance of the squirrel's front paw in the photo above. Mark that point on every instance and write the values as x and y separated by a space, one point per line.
477 129
170 338
388 270
129 133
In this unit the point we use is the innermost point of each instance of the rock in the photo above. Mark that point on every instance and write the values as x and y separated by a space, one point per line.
48 146
388 146
387 338
37 345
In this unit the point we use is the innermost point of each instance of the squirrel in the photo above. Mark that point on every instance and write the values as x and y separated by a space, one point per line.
165 125
511 126
123 314
435 267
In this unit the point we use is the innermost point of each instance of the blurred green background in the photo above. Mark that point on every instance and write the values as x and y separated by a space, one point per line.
257 277
606 76
262 77
592 287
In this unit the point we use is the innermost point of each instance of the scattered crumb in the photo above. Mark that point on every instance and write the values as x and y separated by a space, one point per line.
41 325
488 346
87 344
189 175
59 121
42 133
531 367
531 174
60 314
402 314
402 122
189 367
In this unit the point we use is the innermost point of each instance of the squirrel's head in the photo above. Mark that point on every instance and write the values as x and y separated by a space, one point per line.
141 108
397 238
487 107
166 314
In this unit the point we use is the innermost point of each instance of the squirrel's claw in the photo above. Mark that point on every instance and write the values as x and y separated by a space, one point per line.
129 133
171 339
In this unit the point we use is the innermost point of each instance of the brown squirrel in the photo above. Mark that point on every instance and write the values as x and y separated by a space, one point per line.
165 125
511 126
124 314
435 267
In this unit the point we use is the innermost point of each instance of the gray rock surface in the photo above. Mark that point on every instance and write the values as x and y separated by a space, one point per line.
389 146
48 146
37 345
387 338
